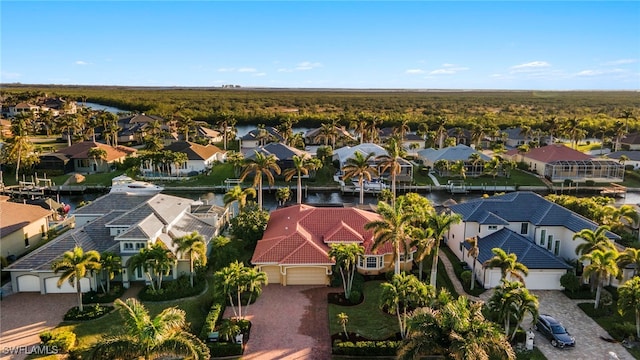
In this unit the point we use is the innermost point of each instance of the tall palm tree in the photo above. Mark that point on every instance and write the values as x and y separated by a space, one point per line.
359 126
239 196
593 239
301 166
328 133
97 153
456 330
260 165
402 293
346 257
111 265
602 264
512 301
391 162
475 159
393 228
509 266
252 281
440 224
359 166
163 336
424 242
474 252
193 246
630 256
75 265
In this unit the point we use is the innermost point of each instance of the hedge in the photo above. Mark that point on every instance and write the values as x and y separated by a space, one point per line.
366 348
217 309
59 340
223 349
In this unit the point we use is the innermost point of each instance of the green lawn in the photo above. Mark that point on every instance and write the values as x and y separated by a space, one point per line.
366 319
517 178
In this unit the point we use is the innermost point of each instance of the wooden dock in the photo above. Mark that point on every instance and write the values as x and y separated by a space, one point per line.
615 190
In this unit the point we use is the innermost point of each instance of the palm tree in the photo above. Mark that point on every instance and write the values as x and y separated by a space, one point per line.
474 252
440 224
343 319
602 264
457 330
193 246
155 261
359 127
392 228
239 196
358 166
253 280
301 166
236 159
630 256
97 153
391 162
512 301
346 258
629 300
19 150
260 165
283 195
238 278
593 240
475 159
163 336
403 293
75 265
423 241
111 264
328 133
508 264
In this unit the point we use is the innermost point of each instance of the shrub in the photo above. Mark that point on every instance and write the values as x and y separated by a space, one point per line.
355 297
621 331
176 289
212 319
60 340
466 277
89 312
224 349
366 348
93 297
570 282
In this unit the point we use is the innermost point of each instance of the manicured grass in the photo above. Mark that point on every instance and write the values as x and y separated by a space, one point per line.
517 178
534 354
366 319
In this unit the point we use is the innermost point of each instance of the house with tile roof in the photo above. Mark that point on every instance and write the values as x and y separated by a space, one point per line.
452 154
122 224
22 227
632 157
283 153
75 158
200 158
259 137
344 153
311 137
558 163
630 141
538 231
294 249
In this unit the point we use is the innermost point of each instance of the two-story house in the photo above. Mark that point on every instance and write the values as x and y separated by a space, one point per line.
122 224
538 231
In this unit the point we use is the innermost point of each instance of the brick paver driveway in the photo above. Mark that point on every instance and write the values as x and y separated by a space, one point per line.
25 315
589 345
289 322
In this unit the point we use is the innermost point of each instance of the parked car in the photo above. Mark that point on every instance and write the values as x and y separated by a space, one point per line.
553 330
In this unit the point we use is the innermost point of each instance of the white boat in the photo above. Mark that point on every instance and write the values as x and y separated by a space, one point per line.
373 185
124 184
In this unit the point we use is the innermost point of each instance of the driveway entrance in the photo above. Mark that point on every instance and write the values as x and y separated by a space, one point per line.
289 322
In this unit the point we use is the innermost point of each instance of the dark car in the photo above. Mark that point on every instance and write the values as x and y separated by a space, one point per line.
553 330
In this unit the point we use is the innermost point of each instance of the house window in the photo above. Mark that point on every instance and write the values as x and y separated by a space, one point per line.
543 236
402 257
549 242
128 246
26 240
556 249
524 228
42 230
372 262
83 163
493 227
140 245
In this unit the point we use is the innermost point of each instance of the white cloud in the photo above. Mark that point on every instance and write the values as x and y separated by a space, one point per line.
80 62
251 70
587 73
448 69
530 66
622 62
307 65
414 71
9 75
260 74
226 70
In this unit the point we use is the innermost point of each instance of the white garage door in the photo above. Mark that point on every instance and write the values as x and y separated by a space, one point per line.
27 283
273 274
51 286
307 276
544 280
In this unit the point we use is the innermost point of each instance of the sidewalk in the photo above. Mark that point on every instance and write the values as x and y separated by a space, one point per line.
456 282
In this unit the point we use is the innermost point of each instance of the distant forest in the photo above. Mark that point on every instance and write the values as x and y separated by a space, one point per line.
311 107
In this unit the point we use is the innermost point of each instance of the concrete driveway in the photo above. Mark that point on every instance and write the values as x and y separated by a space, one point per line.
587 332
289 322
23 316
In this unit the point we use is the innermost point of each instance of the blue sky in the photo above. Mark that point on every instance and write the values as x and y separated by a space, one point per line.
543 45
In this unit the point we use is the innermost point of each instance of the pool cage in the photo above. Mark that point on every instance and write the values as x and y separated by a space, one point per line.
597 170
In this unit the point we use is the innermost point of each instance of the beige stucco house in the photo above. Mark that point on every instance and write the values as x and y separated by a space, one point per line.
22 227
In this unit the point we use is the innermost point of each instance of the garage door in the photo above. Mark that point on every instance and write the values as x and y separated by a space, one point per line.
307 276
273 274
28 283
544 280
51 286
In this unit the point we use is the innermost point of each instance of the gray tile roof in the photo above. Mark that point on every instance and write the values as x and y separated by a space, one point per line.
188 224
528 253
524 206
109 202
92 236
279 150
451 153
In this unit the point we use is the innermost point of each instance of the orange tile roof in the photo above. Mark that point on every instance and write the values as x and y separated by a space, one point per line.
81 150
302 234
15 216
553 152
